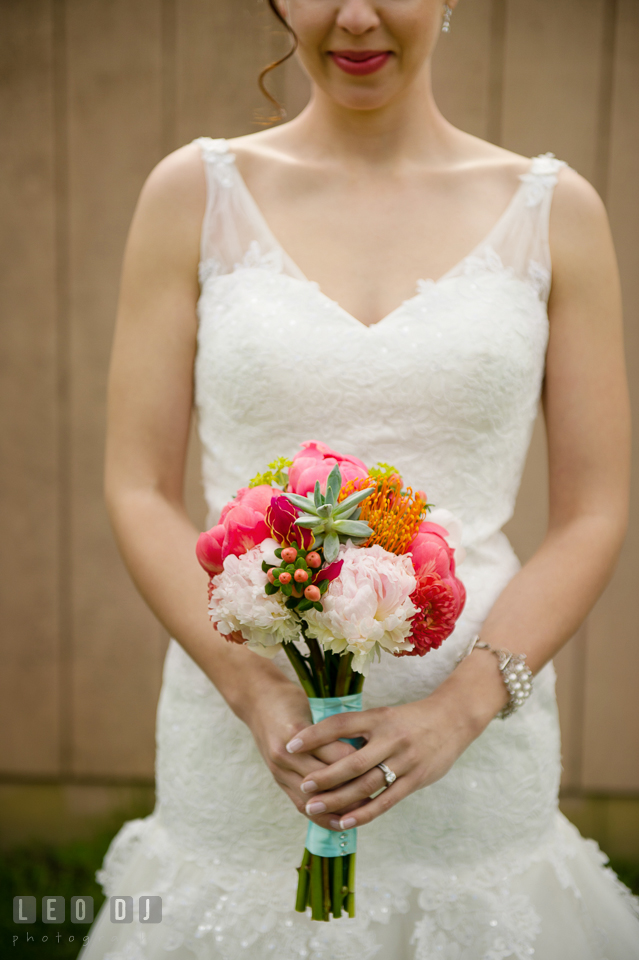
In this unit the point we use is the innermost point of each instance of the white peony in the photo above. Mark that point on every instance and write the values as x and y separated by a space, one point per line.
239 604
368 607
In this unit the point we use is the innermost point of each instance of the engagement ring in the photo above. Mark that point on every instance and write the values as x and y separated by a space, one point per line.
389 776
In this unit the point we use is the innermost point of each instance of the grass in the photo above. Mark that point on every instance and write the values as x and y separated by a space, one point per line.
69 870
628 873
38 869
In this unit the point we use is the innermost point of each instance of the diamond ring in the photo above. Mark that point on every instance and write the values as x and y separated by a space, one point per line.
389 776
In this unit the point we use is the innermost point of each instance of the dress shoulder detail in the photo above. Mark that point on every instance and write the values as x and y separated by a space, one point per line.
541 179
214 150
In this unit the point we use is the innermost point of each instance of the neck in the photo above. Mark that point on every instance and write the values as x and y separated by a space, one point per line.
410 127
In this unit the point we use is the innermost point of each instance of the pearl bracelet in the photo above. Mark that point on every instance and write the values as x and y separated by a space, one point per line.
515 673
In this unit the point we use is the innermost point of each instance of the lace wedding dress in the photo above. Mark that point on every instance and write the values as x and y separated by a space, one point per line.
480 865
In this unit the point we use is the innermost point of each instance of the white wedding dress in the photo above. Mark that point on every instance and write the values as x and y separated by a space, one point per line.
480 865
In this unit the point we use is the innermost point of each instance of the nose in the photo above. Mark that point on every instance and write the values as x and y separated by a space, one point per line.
357 16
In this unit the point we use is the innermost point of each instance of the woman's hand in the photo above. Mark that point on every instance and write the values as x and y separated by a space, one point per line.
277 716
419 742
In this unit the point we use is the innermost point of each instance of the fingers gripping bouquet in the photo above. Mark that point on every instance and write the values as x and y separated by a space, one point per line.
332 563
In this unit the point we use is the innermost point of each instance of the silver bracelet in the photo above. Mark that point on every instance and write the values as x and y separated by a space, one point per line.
515 673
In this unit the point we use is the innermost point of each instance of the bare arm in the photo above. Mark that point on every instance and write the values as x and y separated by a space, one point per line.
587 417
149 411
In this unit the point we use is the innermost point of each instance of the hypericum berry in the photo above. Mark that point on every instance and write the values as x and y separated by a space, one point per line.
270 577
289 554
284 577
314 560
301 576
312 593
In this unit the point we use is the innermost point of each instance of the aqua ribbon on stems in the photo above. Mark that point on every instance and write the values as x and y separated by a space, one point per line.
319 840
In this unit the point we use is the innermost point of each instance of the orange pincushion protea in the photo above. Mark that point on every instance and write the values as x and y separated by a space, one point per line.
393 515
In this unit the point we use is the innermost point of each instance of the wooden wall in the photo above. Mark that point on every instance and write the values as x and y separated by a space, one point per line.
92 94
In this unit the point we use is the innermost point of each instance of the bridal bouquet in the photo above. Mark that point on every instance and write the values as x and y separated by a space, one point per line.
333 563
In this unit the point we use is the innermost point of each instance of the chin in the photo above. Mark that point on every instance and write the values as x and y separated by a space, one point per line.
352 98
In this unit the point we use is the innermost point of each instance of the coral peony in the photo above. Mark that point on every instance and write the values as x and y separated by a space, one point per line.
439 603
208 549
239 607
314 461
242 526
438 542
368 607
252 498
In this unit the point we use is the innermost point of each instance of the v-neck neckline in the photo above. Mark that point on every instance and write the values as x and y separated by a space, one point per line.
298 273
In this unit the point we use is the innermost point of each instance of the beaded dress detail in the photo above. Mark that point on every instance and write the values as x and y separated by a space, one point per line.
480 865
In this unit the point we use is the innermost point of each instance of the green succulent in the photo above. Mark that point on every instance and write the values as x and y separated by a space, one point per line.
331 522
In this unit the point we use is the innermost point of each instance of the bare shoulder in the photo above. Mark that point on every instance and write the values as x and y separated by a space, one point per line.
168 217
576 208
177 186
476 155
580 236
269 151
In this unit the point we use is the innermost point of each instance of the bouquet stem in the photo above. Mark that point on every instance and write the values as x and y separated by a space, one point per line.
303 883
344 675
300 665
318 909
350 896
325 883
319 667
337 886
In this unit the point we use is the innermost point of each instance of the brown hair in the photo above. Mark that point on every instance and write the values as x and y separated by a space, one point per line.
277 63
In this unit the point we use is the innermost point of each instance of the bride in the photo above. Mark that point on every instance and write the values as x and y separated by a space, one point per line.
369 276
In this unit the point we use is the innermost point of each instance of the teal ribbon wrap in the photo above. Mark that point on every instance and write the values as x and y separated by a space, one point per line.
319 841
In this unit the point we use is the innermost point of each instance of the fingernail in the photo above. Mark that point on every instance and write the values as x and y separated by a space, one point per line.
293 745
334 824
309 787
316 806
346 823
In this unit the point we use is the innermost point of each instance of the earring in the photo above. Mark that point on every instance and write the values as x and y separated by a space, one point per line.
446 15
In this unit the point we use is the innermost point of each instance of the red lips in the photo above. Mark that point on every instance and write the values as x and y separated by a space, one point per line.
359 63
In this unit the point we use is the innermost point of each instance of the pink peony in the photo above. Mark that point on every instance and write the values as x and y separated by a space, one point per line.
429 548
254 498
208 549
315 461
242 526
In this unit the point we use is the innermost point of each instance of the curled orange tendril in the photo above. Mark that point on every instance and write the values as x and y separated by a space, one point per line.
393 515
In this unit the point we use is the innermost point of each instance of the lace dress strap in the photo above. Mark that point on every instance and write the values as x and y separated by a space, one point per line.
541 179
521 238
213 149
234 233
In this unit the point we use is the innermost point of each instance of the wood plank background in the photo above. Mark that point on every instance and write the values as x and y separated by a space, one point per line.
92 94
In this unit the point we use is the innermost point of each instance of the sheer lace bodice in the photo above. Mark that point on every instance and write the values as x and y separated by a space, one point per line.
447 384
480 865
